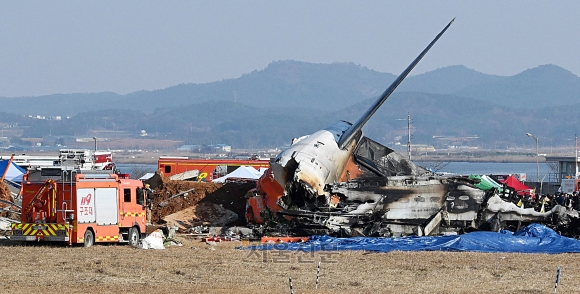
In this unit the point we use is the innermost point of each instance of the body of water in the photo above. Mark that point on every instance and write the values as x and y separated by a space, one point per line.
461 168
499 168
131 168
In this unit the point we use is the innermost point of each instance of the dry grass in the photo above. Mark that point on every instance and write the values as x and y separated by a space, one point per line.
196 268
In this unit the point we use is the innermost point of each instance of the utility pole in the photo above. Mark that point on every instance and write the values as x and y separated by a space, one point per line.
409 135
576 157
537 164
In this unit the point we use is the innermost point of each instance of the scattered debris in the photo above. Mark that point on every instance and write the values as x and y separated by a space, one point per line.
284 239
221 239
184 193
160 239
153 241
184 176
198 230
238 231
204 213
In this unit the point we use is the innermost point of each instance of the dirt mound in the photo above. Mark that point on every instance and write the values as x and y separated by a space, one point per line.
229 196
169 188
4 193
204 213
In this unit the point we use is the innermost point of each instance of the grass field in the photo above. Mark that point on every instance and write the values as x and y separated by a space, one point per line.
197 267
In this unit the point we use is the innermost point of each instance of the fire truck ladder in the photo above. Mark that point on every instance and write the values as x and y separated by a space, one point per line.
67 177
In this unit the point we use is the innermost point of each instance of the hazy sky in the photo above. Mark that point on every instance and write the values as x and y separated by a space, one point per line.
49 47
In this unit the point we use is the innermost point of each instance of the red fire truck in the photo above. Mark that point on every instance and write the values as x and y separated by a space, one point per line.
69 206
209 169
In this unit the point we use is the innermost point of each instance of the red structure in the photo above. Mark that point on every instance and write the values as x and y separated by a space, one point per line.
209 169
521 189
74 208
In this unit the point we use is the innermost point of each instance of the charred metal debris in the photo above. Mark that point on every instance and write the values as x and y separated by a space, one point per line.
394 197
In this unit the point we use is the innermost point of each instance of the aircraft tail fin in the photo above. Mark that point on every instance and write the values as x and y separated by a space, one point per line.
346 138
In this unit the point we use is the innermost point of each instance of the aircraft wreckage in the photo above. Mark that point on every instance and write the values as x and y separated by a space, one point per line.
338 182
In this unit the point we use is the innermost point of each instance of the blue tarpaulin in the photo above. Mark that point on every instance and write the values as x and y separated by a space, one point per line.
534 238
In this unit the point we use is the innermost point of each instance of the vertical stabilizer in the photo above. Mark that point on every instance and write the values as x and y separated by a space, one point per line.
350 133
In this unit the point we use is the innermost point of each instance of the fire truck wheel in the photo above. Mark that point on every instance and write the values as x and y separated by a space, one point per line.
89 239
134 237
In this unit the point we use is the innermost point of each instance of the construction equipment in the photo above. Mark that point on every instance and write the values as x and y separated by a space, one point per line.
66 205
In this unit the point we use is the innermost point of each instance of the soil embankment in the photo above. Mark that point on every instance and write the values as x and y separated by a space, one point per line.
208 203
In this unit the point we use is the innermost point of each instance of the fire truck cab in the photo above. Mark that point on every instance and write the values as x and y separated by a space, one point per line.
80 208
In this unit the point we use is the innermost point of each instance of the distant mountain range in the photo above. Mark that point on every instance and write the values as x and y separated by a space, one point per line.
289 98
326 87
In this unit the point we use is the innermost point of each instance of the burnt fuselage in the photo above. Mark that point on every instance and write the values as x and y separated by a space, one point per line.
410 199
342 182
